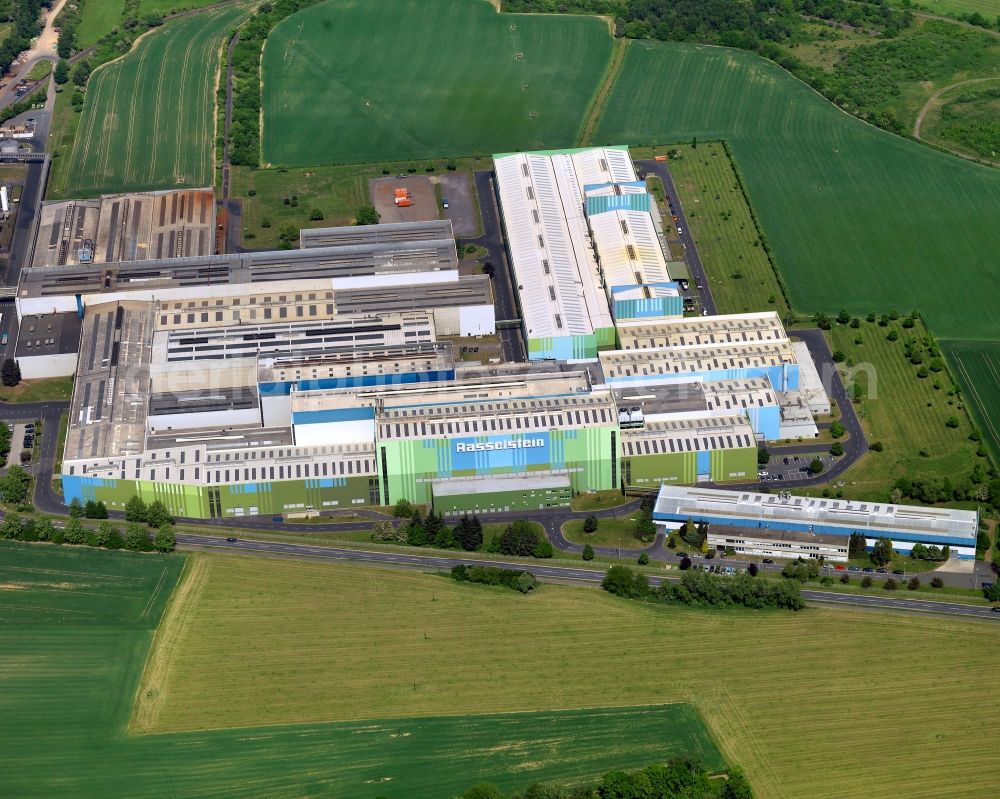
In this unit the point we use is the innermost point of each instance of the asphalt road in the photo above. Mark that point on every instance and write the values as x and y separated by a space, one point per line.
511 338
581 574
20 245
698 274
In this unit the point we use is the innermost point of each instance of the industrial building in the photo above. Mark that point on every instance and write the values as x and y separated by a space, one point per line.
585 248
363 271
327 376
770 516
137 226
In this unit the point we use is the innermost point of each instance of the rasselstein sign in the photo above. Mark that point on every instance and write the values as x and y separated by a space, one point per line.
493 446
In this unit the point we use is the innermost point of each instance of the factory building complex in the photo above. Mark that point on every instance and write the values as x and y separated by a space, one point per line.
334 375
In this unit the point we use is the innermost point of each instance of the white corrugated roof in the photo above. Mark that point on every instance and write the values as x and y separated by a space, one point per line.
628 249
552 257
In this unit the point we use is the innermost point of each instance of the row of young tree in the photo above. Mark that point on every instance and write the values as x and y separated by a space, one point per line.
706 589
136 537
679 778
431 530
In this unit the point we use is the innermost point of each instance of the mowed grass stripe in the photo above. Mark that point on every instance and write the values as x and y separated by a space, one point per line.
856 217
363 80
785 695
150 112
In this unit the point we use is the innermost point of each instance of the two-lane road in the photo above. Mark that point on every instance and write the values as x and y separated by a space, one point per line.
585 575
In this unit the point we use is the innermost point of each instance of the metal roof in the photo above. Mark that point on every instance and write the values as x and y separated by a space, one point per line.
871 518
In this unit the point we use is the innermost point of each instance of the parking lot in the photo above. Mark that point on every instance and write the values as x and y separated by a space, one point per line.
456 188
793 467
21 438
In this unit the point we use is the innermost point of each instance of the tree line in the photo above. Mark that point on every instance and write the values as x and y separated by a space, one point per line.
679 778
706 589
516 579
136 537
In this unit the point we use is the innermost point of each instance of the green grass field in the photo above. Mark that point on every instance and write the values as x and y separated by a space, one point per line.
360 80
976 366
785 695
97 18
967 119
613 532
740 275
46 388
148 126
905 412
75 629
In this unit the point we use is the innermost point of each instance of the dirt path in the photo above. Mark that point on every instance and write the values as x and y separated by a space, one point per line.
934 97
596 110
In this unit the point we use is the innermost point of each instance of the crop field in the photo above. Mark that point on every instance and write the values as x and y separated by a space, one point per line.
329 641
740 275
361 80
905 412
75 628
976 366
146 125
856 217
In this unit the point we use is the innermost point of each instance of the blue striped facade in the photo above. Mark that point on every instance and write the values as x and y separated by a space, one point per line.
783 377
360 381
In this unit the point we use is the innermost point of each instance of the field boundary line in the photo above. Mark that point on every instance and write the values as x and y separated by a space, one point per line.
149 693
595 109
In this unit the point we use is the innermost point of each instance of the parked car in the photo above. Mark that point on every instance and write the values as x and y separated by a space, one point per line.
853 568
231 540
768 561
882 571
898 571
681 554
868 570
840 567
444 202
995 609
